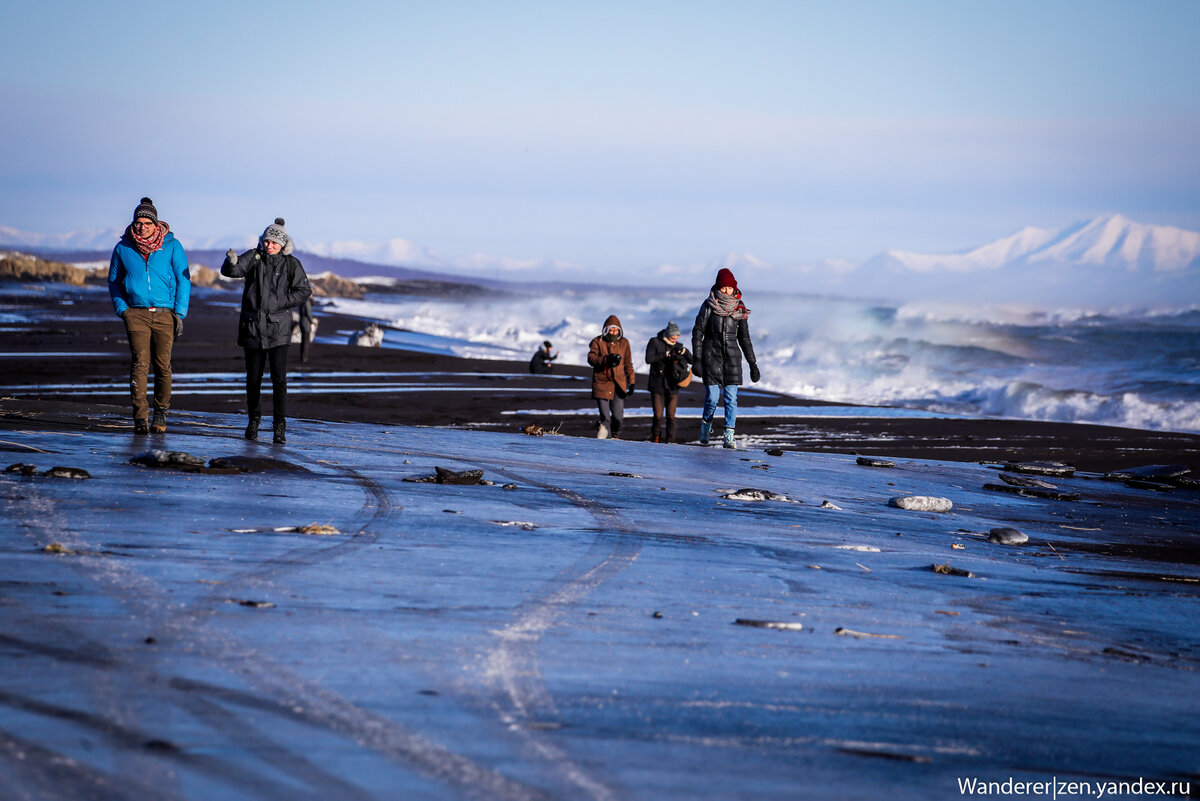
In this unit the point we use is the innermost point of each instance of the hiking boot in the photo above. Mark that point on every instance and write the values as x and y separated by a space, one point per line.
705 430
158 424
280 427
252 427
140 426
729 441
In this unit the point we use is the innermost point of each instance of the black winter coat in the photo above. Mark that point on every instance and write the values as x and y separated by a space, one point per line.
715 343
274 286
661 361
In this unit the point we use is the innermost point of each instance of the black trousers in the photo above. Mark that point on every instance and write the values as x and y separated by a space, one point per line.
256 360
663 405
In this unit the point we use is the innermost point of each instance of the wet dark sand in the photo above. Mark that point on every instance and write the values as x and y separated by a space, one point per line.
481 390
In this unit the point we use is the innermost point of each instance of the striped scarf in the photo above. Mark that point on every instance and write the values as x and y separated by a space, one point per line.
149 244
727 305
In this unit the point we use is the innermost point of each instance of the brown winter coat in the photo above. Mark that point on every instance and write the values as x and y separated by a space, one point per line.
607 381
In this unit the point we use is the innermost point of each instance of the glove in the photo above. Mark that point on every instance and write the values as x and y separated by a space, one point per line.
629 391
754 373
178 324
613 359
696 371
231 256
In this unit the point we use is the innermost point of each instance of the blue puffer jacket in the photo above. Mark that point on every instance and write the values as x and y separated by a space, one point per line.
163 281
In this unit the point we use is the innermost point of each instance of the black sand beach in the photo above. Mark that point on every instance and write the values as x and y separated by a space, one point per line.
87 348
595 620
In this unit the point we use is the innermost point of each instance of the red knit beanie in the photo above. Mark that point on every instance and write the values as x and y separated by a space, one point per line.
725 278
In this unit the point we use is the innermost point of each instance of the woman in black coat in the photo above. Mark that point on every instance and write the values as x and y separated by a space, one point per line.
275 284
720 337
668 360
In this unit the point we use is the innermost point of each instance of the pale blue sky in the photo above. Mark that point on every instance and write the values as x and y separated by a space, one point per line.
618 136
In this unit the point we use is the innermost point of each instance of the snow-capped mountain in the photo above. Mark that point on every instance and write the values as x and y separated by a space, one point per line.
1110 241
84 239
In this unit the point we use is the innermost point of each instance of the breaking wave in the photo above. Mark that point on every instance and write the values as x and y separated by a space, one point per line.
1131 368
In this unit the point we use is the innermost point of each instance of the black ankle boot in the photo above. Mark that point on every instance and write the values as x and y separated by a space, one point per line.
252 427
280 427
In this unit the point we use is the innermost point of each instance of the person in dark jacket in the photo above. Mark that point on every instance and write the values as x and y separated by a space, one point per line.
611 359
722 328
150 286
275 284
542 361
668 360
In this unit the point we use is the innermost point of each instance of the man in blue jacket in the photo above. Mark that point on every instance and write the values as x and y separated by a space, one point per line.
149 282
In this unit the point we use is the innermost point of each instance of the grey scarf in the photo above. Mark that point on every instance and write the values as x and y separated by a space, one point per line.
727 305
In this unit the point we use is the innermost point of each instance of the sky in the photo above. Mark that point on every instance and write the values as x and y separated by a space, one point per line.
615 139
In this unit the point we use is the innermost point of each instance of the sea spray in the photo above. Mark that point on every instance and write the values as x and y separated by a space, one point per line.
1136 368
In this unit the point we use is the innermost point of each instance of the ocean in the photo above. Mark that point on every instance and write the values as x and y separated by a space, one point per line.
1135 368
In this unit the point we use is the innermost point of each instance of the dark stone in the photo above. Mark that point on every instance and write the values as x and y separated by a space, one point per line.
1148 485
625 475
1007 536
1153 472
870 461
774 452
67 472
1033 492
465 477
1025 481
255 464
752 494
949 570
1040 468
769 624
22 468
158 458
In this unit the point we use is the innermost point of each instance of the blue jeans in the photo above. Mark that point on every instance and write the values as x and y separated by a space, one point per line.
727 395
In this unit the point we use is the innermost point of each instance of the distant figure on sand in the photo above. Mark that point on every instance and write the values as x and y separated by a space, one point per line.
721 328
612 376
275 284
668 360
150 285
542 359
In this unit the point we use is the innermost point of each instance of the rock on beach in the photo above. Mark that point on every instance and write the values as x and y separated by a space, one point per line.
922 503
1005 535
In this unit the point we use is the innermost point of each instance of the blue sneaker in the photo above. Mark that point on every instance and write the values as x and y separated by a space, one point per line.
705 428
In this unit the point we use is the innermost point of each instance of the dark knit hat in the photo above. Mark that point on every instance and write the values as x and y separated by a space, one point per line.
275 232
146 209
672 330
725 278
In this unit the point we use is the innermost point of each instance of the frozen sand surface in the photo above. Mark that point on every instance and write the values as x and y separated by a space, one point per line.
429 651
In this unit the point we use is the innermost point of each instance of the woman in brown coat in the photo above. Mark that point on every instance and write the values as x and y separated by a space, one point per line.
612 376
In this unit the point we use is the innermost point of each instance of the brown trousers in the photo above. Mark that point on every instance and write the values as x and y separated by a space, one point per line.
151 336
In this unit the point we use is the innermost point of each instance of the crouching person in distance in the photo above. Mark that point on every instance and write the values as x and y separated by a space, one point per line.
611 359
275 284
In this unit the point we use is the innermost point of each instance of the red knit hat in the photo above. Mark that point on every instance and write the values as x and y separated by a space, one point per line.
725 278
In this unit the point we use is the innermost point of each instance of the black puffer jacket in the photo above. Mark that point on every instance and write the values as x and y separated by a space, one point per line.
715 343
662 359
274 286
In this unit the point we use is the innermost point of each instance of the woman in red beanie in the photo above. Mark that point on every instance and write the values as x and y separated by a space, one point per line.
719 338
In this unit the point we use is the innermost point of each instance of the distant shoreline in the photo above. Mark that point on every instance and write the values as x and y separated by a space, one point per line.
443 390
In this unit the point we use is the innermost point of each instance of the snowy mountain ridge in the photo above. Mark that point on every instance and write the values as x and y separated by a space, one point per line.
1110 240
